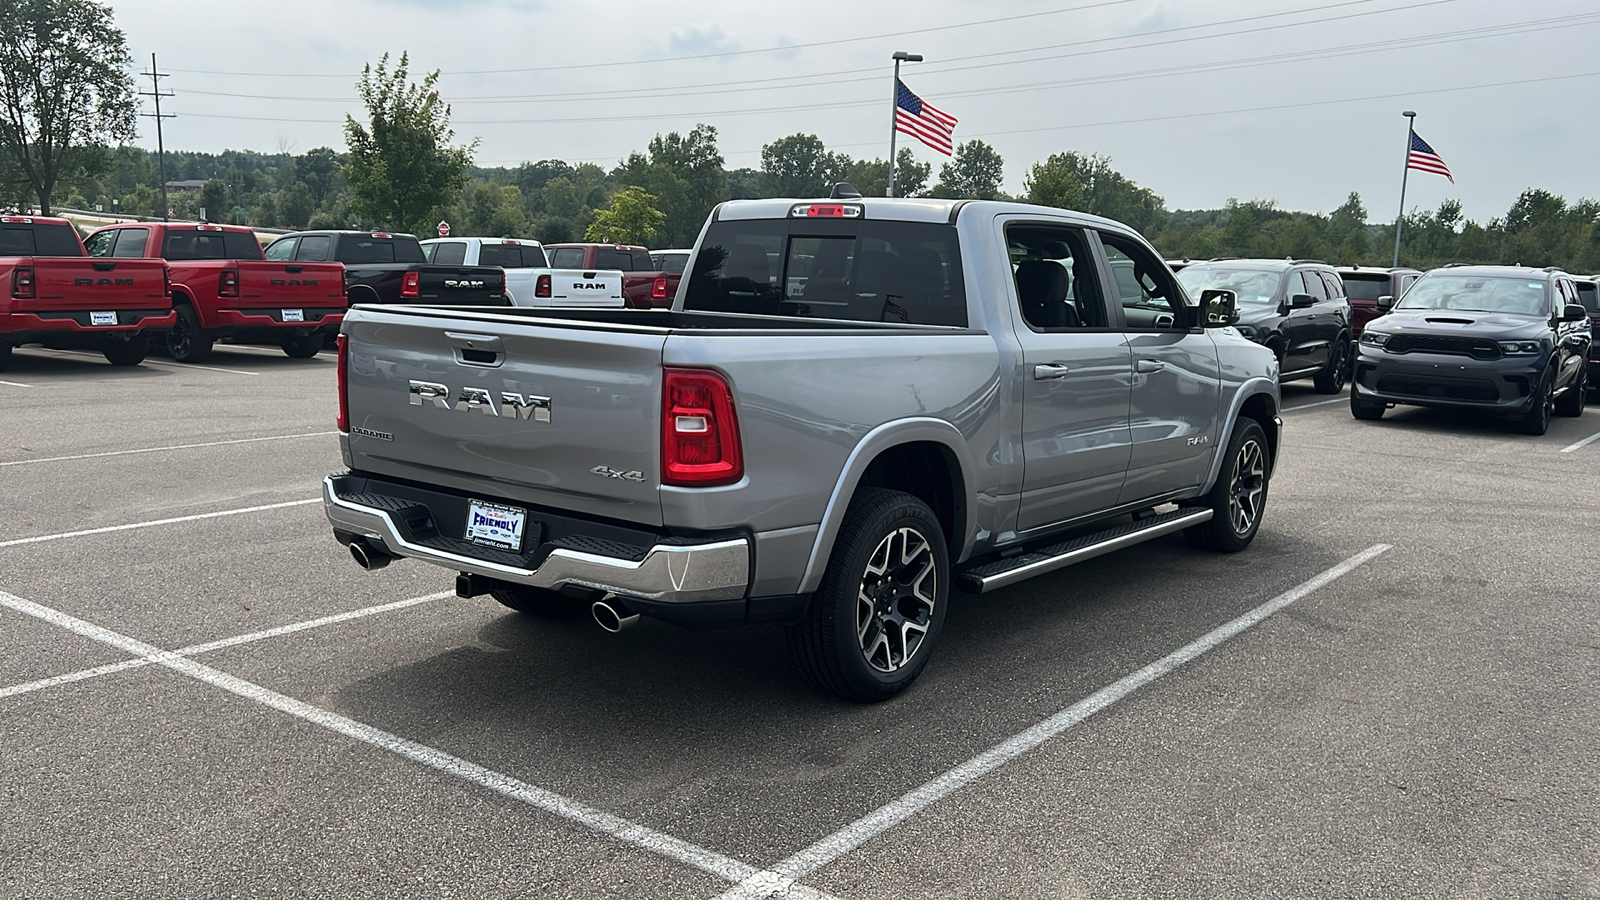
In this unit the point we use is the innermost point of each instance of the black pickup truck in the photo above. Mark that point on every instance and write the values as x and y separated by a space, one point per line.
385 267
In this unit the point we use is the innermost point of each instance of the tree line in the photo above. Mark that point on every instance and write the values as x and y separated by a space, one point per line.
67 111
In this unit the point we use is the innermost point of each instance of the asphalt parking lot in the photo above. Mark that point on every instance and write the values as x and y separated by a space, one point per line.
1393 693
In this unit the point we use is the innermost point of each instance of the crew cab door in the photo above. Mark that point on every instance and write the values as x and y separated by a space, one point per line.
1175 404
1308 333
1076 370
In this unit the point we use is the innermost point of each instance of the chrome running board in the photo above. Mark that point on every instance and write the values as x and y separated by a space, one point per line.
995 575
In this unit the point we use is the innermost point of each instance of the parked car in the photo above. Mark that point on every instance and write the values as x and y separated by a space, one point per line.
224 289
834 455
1589 296
529 279
1366 285
61 299
1295 308
672 262
645 286
1177 265
385 267
1503 339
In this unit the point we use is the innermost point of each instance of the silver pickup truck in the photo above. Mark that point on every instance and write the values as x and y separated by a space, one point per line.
853 406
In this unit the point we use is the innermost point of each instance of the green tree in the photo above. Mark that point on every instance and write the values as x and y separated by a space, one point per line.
65 89
1055 182
402 171
630 219
214 200
800 166
1089 183
295 205
975 172
871 176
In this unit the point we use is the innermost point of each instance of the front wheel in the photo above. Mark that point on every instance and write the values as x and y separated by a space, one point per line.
1330 380
1537 419
1239 497
1363 409
1571 403
875 620
302 346
130 352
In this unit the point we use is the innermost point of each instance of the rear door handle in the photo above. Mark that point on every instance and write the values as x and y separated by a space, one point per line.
1048 371
1147 366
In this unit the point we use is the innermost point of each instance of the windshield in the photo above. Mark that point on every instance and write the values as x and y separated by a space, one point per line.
1248 285
1478 293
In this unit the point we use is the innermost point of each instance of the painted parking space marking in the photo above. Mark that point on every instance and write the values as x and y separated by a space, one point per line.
857 833
151 362
1289 409
632 833
39 539
1581 444
196 649
255 440
15 384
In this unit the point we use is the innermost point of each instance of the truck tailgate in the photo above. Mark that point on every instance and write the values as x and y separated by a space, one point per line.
71 284
461 285
566 416
577 287
291 284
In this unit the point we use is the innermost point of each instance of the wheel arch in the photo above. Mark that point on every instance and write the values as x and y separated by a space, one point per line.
1256 399
926 458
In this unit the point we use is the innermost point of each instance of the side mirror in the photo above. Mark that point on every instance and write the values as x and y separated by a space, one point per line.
1221 308
1301 301
1386 302
1574 312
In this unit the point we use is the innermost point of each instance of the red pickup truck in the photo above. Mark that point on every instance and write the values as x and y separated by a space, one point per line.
643 285
224 289
63 300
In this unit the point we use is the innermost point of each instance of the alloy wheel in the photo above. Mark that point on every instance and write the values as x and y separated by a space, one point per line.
1247 487
180 339
895 602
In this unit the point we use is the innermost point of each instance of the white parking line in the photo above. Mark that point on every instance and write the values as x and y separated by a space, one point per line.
280 437
896 811
15 384
39 539
1289 409
158 363
1581 444
659 843
29 687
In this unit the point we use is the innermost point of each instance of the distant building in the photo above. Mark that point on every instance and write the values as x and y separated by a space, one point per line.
192 184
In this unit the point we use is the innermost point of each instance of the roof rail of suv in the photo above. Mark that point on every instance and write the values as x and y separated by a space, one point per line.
1317 261
1555 269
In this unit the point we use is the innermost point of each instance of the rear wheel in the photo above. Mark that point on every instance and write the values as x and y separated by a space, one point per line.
130 352
539 602
1239 497
1363 409
303 346
186 340
1571 403
1537 419
875 620
1330 380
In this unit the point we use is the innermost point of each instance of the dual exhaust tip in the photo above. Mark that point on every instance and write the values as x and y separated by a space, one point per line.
609 613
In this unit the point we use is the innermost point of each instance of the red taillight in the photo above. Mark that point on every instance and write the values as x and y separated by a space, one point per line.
541 288
344 281
658 291
229 285
699 432
411 285
22 283
344 384
166 281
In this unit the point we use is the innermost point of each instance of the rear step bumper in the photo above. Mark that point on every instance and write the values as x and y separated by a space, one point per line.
995 575
668 573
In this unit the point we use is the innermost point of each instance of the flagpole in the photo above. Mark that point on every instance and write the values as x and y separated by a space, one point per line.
894 108
1399 220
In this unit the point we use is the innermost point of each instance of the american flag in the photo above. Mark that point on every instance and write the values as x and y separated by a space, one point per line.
1423 159
914 117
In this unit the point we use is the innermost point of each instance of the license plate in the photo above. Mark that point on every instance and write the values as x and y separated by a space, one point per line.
496 526
294 315
102 318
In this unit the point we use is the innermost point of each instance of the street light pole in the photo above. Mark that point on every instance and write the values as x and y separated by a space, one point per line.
894 108
1399 220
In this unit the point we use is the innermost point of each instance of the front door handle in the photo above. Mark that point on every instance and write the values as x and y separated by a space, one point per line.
1049 371
1147 366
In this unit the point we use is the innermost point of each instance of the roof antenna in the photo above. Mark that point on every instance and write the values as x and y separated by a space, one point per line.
844 190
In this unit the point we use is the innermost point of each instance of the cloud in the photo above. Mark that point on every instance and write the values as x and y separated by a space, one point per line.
698 40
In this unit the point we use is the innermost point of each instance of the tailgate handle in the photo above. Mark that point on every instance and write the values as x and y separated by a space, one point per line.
104 266
294 270
476 349
589 276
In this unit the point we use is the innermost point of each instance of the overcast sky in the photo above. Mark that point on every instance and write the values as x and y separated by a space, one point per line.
1201 100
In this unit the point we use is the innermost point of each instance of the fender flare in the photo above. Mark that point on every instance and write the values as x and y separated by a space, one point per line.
879 439
1252 387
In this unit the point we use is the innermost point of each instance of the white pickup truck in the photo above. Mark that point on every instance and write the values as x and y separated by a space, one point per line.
529 279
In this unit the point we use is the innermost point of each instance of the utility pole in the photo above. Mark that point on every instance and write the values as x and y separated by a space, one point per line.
894 109
1411 132
155 75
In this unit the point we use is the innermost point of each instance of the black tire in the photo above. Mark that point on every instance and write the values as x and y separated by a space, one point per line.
1571 403
130 352
1330 380
5 356
1363 409
874 622
1536 420
539 602
1239 497
186 340
302 346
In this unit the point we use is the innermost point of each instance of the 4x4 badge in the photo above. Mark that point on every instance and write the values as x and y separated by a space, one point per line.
608 472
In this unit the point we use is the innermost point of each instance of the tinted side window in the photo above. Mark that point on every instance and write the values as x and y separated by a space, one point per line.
452 253
98 244
1589 296
282 249
673 262
314 248
1335 286
567 258
131 243
1150 297
606 258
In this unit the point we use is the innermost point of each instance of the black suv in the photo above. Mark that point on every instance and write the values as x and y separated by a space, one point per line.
1506 339
1589 296
1295 307
1367 285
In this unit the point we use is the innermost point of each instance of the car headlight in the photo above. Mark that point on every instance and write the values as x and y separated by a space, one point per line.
1374 338
1519 348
